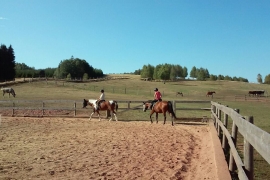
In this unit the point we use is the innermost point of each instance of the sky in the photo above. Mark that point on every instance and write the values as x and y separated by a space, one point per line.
229 37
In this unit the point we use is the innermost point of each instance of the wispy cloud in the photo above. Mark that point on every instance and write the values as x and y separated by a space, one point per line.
2 18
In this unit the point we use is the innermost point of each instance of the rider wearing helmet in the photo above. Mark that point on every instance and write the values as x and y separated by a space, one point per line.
100 99
157 97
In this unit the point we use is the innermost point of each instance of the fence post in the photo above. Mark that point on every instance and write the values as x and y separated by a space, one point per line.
248 155
218 126
214 111
224 139
232 165
74 108
13 109
43 105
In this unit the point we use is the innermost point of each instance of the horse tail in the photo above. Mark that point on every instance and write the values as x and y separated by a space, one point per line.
116 105
171 109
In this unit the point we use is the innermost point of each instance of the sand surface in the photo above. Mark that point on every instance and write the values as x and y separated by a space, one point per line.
76 148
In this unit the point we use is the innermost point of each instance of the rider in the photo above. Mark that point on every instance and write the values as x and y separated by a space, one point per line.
157 97
100 99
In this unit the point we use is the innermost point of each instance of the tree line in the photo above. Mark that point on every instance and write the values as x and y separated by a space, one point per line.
75 68
162 71
173 72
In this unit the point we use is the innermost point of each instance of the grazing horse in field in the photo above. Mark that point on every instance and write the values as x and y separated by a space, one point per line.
256 93
210 93
179 93
9 91
160 107
105 105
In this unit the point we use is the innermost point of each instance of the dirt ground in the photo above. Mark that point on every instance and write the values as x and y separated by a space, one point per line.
76 148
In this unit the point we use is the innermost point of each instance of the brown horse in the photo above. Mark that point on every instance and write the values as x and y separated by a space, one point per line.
210 93
179 93
105 105
160 107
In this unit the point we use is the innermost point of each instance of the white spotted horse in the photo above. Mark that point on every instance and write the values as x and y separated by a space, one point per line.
104 106
8 90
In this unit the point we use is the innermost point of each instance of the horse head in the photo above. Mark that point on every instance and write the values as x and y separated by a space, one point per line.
85 103
146 105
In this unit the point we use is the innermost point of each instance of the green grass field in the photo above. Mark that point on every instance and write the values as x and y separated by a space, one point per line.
132 88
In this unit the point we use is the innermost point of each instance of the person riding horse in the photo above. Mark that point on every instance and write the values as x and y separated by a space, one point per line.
100 99
157 97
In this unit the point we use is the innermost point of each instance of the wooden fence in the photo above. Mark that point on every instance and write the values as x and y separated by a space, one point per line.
254 137
74 106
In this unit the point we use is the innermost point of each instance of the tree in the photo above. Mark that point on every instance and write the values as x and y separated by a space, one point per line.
76 68
7 63
85 76
259 78
213 77
267 79
173 73
202 74
147 71
185 72
193 72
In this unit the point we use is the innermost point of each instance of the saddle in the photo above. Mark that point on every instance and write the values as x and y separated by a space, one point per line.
98 103
154 103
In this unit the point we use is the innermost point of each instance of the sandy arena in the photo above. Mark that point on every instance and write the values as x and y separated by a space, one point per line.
76 148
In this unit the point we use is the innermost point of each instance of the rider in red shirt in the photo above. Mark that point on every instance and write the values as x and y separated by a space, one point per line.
157 97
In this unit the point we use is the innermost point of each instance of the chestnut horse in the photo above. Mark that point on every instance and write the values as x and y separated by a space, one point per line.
105 105
160 107
210 93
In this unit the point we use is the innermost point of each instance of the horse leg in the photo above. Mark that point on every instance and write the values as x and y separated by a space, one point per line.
157 117
91 115
98 116
152 112
111 116
114 113
164 117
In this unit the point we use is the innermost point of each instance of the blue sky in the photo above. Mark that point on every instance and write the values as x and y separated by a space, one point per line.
227 37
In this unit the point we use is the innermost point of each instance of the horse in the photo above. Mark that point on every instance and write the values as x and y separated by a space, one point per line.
179 93
9 91
210 93
256 93
160 107
104 105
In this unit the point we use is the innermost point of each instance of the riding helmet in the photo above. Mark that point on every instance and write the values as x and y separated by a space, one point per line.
156 89
102 90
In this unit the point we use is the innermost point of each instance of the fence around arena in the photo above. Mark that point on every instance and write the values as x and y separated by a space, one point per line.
254 137
74 108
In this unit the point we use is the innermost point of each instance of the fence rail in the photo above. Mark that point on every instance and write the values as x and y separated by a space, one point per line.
254 137
73 105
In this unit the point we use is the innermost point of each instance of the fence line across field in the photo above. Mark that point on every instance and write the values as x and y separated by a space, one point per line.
73 105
